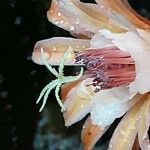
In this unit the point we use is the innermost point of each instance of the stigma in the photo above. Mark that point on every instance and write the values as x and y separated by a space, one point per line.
108 67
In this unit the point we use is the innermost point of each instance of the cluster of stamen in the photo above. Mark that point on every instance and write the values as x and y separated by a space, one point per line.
108 67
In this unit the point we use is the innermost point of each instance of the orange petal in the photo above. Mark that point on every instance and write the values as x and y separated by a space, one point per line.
122 7
79 18
143 125
77 104
55 48
125 133
91 134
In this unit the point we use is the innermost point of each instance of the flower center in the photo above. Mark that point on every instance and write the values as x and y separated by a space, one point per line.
108 67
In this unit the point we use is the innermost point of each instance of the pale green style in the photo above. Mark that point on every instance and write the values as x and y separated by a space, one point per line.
59 81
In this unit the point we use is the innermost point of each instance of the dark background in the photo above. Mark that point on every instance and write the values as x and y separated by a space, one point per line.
22 23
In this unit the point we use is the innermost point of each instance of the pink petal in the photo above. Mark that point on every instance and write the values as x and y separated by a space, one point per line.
55 48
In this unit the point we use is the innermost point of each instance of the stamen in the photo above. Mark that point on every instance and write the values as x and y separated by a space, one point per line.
109 67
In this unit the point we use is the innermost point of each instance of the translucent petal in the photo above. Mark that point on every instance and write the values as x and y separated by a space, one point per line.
55 48
141 83
91 134
79 18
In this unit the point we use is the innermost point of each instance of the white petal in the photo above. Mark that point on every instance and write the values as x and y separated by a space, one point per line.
129 41
142 81
111 104
144 34
100 41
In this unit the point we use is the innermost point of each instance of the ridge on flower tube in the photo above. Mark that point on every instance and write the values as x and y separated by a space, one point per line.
113 43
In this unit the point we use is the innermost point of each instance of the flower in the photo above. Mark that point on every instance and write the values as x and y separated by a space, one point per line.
114 45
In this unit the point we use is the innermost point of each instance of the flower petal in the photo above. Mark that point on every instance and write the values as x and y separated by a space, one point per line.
91 134
66 88
111 104
143 125
99 41
123 8
79 18
78 103
125 133
55 48
125 42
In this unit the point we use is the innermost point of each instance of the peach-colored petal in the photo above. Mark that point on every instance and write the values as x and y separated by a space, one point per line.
55 48
122 7
91 134
77 104
143 125
67 87
79 18
125 133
